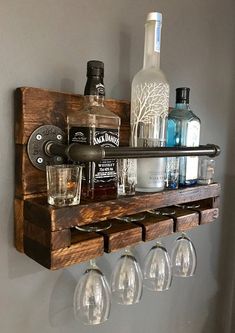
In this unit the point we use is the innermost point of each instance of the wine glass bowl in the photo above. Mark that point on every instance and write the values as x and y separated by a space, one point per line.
183 257
127 280
157 269
92 297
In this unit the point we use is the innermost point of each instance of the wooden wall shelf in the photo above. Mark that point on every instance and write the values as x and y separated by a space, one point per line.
47 234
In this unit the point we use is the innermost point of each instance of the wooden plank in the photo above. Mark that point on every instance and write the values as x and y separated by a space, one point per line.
52 240
155 227
207 209
35 107
89 246
120 235
185 219
29 180
37 211
19 224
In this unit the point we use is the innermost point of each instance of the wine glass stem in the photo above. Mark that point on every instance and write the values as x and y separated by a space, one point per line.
92 262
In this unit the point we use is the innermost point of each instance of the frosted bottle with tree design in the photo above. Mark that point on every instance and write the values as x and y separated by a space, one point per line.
149 108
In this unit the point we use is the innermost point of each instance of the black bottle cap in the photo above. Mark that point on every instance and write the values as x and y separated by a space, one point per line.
95 68
182 95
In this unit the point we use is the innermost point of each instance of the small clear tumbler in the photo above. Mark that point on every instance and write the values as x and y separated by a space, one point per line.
63 184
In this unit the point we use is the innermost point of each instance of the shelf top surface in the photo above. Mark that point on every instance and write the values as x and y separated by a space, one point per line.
57 218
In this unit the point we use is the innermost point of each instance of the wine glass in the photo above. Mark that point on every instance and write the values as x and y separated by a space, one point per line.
127 280
157 269
183 257
92 297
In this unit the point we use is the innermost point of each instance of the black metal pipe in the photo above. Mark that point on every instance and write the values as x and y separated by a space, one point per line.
85 153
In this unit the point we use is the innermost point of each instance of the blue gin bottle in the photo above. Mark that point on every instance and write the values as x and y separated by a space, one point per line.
183 129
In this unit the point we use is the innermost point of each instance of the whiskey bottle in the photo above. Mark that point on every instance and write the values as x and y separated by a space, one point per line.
96 125
149 108
183 129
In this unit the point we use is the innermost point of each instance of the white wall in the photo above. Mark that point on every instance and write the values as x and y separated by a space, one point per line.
47 44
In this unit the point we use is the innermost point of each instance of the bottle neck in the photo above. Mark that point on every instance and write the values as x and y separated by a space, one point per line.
182 106
152 44
94 91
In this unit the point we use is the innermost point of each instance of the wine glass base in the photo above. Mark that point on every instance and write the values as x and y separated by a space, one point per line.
95 227
132 218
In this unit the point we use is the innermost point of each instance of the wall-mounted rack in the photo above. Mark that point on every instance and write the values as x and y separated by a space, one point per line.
47 234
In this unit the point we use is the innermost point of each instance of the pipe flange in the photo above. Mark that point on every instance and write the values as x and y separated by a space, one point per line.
36 146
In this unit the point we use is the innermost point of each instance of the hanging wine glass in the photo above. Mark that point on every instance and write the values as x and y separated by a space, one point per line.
157 269
127 280
92 297
183 257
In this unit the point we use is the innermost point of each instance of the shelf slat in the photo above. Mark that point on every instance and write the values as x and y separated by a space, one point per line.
36 210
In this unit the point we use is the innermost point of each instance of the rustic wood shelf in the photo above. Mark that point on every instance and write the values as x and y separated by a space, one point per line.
47 234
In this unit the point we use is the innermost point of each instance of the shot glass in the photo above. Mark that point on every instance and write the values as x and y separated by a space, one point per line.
63 184
206 169
127 176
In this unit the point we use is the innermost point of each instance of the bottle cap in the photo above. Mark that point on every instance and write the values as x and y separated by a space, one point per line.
95 68
154 16
182 95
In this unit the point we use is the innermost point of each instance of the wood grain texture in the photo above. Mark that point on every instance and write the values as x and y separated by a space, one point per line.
39 212
207 209
52 240
47 233
155 227
185 219
121 235
19 224
35 107
85 249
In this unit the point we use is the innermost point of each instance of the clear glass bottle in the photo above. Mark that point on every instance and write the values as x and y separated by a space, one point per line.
183 129
149 108
93 125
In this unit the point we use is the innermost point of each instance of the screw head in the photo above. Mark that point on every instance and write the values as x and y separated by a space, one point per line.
58 159
39 160
39 137
59 137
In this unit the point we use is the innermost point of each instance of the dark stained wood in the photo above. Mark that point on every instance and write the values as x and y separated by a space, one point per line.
19 224
52 240
29 180
47 233
89 246
155 227
207 209
185 219
35 107
37 211
121 235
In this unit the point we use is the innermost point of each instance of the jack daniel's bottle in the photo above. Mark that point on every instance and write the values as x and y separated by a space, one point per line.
96 125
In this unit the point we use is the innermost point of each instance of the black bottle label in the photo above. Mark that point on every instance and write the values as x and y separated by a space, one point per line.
104 171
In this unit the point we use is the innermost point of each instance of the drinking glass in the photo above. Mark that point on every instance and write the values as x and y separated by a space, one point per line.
183 257
206 169
92 297
63 184
157 269
127 280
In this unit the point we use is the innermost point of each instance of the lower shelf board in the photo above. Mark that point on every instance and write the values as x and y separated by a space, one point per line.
48 235
66 247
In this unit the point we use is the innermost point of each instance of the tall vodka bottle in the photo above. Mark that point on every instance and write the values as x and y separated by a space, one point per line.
183 129
96 125
149 108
